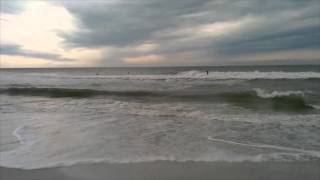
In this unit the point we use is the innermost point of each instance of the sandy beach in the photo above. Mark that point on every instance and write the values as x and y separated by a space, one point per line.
166 170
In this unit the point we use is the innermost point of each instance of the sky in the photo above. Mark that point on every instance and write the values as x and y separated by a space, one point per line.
108 33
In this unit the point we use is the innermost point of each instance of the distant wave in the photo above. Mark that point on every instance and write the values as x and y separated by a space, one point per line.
75 93
196 74
228 75
251 75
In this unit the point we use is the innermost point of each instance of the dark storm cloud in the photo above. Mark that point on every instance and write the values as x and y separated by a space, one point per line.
15 50
290 40
125 22
277 26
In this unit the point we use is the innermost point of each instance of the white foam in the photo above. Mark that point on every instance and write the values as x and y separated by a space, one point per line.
16 133
310 152
218 156
128 133
316 106
248 75
195 74
265 94
226 75
154 110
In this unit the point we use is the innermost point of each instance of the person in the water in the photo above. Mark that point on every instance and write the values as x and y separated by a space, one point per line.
207 72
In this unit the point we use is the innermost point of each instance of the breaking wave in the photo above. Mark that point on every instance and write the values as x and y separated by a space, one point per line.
265 94
289 101
259 99
196 74
248 75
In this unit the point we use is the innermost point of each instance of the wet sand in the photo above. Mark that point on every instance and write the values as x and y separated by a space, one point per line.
168 170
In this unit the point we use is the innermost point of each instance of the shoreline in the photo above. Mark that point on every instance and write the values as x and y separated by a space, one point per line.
169 170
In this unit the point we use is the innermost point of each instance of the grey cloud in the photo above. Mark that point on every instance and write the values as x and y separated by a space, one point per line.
15 50
285 25
125 23
296 39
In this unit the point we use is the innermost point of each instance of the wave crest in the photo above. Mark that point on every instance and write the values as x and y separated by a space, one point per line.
251 75
265 94
196 74
291 101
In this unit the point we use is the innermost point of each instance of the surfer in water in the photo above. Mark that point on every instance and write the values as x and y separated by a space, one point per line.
207 72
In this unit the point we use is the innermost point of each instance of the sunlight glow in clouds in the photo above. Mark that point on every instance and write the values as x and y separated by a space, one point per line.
36 29
144 60
27 62
145 47
226 27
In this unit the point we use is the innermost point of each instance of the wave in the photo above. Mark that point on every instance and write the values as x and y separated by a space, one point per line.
316 106
75 93
273 157
17 158
251 75
266 146
196 74
257 99
265 94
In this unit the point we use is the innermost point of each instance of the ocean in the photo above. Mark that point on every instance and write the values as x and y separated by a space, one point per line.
64 116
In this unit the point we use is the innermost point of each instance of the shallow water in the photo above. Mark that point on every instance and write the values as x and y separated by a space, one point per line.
58 117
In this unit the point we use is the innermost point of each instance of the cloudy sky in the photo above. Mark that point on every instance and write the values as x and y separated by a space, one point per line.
79 33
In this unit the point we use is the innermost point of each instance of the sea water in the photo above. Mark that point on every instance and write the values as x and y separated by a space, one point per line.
59 117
